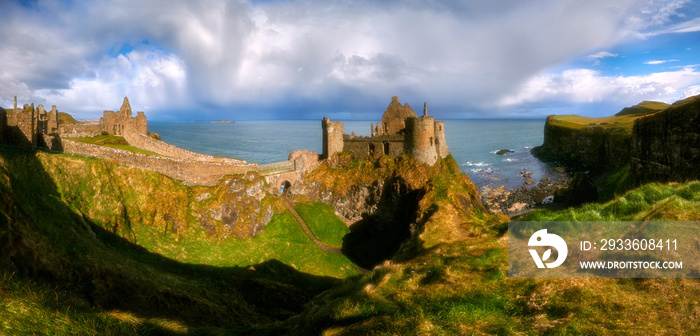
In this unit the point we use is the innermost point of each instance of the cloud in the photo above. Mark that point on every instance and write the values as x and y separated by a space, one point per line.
589 86
601 54
302 59
656 62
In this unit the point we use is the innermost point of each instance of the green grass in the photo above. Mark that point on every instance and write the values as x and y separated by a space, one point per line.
323 222
282 240
625 119
462 287
654 201
66 119
28 308
113 142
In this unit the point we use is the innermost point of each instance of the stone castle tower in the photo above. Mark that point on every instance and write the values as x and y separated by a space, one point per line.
399 131
33 123
333 132
122 121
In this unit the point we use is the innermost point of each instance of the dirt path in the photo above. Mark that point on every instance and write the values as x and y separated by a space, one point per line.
290 206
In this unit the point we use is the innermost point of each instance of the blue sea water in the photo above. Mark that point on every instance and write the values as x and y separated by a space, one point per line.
473 143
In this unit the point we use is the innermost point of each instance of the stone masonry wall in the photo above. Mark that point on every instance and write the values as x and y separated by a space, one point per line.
189 172
80 130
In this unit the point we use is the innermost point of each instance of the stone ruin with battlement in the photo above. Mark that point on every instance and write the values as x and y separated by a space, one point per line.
35 126
399 131
122 122
30 124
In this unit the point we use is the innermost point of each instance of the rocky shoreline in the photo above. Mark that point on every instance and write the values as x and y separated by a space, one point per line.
530 195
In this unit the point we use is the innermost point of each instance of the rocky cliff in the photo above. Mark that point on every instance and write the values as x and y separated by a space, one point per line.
666 146
659 142
382 200
592 146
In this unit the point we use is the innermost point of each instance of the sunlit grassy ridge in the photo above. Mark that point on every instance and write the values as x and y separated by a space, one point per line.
460 286
323 222
162 215
58 219
624 119
113 141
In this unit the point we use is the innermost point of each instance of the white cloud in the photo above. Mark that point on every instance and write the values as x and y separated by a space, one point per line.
328 55
589 86
656 62
601 54
151 80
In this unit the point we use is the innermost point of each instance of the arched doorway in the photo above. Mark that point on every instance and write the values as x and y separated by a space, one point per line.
285 187
385 145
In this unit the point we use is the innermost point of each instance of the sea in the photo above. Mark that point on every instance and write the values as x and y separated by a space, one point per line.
473 143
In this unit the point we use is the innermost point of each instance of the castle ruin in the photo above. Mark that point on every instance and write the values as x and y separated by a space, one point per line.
32 123
399 131
122 121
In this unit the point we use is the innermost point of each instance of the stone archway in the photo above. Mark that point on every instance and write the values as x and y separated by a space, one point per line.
285 186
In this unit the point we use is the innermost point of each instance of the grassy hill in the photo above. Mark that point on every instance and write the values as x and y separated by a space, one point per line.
84 249
66 119
461 287
90 247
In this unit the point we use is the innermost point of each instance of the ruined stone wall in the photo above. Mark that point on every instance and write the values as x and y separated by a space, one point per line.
393 119
362 147
140 123
3 124
145 142
112 123
440 141
421 139
189 172
25 121
333 132
52 120
80 130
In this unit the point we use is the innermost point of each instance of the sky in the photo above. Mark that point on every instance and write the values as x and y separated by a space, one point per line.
305 59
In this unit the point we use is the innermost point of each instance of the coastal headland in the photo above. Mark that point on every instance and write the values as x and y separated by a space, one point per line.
113 230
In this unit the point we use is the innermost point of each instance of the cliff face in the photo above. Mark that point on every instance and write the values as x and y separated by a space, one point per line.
389 201
658 144
588 147
666 146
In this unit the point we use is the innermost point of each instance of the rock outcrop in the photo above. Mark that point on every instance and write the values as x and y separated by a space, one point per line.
657 144
666 146
589 147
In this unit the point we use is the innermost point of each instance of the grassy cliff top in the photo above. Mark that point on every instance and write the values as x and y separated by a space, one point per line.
623 119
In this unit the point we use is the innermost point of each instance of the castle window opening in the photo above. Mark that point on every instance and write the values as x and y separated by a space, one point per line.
284 187
385 144
372 149
431 141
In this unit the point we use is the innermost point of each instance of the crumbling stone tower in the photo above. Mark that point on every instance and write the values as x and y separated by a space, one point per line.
122 121
332 137
32 123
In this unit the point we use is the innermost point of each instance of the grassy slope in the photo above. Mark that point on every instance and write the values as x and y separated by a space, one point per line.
53 209
66 119
150 205
624 119
323 222
113 142
460 286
